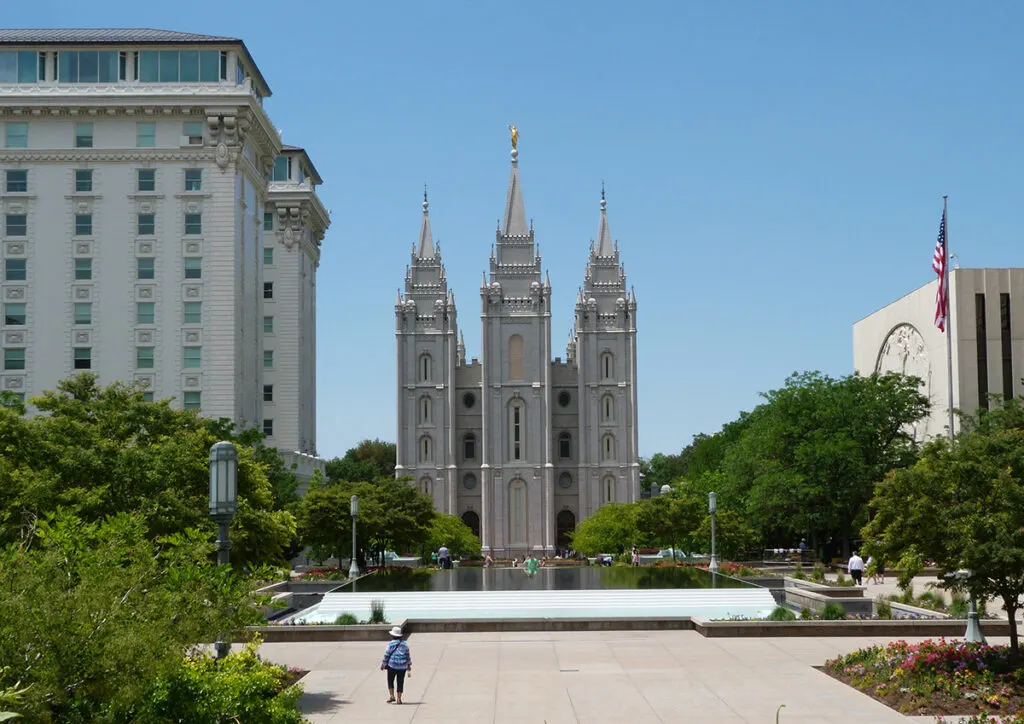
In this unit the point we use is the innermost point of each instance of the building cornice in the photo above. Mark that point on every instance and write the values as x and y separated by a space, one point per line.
87 155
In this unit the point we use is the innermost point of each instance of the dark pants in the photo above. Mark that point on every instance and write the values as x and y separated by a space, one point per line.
857 576
396 674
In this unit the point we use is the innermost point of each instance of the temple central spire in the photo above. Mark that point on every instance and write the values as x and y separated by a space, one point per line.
515 213
425 249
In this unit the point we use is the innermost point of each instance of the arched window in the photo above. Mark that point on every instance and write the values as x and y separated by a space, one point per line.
426 487
425 410
426 449
469 446
517 512
608 489
607 366
517 430
607 409
608 447
515 358
565 524
472 520
426 367
565 446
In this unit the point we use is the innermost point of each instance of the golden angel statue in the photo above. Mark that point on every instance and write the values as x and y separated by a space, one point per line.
515 135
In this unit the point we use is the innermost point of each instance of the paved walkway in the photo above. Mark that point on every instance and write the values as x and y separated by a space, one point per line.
644 677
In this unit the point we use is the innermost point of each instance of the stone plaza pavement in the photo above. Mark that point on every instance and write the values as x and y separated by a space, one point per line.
638 677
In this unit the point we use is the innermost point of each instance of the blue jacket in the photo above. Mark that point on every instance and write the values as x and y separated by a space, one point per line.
397 655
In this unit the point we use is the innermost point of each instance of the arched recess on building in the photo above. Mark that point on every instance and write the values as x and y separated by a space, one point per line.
565 523
472 520
517 526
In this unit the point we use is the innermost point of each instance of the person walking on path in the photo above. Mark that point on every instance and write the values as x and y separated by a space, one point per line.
397 662
444 558
855 567
635 558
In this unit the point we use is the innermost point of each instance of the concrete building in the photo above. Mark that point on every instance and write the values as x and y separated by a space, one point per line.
155 230
519 446
987 334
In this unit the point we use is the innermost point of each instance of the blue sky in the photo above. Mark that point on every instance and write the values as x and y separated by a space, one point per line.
774 171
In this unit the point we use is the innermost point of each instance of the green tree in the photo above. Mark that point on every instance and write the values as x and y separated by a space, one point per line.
94 612
324 520
450 531
368 461
732 534
962 505
611 529
668 520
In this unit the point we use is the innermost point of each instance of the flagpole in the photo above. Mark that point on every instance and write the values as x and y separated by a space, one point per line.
949 317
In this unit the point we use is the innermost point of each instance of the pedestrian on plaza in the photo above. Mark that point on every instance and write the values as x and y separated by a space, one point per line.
398 663
855 567
488 561
803 550
444 558
636 557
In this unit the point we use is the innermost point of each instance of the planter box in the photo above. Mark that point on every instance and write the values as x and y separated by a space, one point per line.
277 634
894 628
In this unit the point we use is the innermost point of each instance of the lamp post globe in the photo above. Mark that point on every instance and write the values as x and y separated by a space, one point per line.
713 508
353 568
666 489
223 505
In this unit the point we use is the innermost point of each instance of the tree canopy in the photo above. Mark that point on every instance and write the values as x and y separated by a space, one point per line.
368 461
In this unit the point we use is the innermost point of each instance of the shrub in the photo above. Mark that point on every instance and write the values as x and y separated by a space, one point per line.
806 613
818 573
907 596
377 611
884 609
781 613
833 611
240 687
959 607
346 619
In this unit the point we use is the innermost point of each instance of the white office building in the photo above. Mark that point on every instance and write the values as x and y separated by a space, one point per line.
155 229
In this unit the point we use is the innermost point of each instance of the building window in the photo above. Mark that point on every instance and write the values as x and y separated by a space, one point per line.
565 446
14 359
145 312
268 324
191 358
608 489
145 267
982 349
268 358
146 179
517 512
565 481
193 400
193 132
469 446
147 396
607 366
193 224
14 314
268 428
468 400
19 66
83 224
425 368
469 481
15 270
193 179
88 66
146 224
282 169
17 181
144 358
607 408
564 398
193 267
425 410
425 487
83 358
83 135
145 135
268 256
608 447
83 180
268 393
16 135
83 312
268 290
517 438
426 450
179 66
515 358
17 224
1007 340
83 270
268 220
192 313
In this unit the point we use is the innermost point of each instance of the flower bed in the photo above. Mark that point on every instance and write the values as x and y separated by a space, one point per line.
936 677
322 574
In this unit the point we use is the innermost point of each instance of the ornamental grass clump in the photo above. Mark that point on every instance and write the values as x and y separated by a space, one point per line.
833 611
781 613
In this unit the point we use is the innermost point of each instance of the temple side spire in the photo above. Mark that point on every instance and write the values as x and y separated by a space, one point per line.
604 234
425 249
515 213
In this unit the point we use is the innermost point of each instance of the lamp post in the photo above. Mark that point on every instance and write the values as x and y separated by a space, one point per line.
223 504
973 632
712 508
353 568
666 489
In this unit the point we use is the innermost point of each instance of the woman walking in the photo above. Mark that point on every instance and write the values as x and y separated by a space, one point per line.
398 662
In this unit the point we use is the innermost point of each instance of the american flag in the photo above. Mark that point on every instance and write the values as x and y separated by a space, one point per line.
939 261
